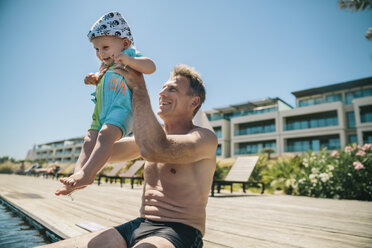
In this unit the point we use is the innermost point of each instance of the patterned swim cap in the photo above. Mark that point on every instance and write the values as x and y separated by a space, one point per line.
112 24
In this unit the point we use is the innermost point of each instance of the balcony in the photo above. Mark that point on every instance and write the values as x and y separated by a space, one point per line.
317 120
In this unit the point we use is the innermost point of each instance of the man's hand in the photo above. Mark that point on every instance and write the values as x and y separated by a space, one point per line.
76 181
134 79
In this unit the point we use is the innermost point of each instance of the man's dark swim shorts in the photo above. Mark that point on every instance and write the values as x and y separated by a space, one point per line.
180 235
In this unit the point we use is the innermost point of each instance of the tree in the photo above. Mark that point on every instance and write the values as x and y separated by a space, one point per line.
268 150
356 5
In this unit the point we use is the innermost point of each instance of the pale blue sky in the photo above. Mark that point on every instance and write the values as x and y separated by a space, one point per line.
245 50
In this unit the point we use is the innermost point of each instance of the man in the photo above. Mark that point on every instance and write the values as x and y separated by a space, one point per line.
181 160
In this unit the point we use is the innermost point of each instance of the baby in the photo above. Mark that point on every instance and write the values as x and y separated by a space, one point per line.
112 118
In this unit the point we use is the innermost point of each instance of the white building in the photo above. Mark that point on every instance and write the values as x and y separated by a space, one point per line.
64 151
331 116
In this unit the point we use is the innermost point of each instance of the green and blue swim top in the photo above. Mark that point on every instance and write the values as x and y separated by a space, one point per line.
113 100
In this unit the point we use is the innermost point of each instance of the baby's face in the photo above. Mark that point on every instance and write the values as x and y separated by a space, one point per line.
106 47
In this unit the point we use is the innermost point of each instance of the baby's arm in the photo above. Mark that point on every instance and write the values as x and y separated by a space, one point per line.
93 78
141 64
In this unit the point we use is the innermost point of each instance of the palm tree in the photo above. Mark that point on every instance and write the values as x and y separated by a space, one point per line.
356 5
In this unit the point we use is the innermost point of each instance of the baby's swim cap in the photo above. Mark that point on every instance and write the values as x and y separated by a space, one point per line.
112 24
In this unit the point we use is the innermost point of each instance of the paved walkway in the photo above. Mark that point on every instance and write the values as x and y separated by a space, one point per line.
238 220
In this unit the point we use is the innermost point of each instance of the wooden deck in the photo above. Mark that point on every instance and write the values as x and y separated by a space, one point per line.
238 220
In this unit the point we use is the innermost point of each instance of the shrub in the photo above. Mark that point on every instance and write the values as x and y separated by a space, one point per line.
353 172
343 174
6 169
315 177
281 174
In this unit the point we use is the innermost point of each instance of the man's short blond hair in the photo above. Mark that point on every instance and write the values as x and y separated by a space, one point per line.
196 83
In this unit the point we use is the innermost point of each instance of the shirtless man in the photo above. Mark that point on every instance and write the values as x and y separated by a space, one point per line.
181 160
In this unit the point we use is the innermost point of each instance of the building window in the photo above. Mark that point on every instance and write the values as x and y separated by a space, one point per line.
254 147
367 137
334 98
350 96
267 126
311 101
218 131
259 111
219 151
68 151
353 139
80 141
312 143
67 160
324 119
350 119
77 151
366 114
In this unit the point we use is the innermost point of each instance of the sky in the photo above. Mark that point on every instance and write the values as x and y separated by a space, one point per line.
244 49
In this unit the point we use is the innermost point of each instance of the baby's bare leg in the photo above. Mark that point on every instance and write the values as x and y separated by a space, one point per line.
99 156
86 150
103 149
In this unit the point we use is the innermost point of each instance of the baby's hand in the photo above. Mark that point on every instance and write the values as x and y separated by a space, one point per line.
122 58
91 79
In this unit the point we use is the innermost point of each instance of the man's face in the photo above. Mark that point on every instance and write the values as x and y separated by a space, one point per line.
106 47
174 100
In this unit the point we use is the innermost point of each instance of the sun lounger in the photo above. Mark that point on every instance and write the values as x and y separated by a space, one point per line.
131 173
41 171
66 172
240 173
56 169
112 175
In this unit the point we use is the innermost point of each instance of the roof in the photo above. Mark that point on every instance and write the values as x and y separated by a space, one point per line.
248 105
61 141
334 87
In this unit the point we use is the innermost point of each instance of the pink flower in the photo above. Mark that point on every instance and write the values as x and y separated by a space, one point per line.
360 153
348 149
335 154
367 147
358 165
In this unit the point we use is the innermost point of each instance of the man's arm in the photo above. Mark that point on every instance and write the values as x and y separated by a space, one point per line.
124 150
153 143
197 145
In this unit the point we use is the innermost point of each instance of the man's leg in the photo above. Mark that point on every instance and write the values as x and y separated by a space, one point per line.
154 242
107 238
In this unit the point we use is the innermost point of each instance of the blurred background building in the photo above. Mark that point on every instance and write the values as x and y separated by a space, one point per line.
331 116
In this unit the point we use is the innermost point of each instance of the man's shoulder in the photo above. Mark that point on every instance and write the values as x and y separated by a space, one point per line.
204 133
202 129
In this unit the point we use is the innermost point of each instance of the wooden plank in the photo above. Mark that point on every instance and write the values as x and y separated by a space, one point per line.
233 220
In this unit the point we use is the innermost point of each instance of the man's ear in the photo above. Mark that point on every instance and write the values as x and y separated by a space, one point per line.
195 101
126 43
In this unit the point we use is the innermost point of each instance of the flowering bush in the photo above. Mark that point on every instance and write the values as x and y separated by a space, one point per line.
316 177
344 174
